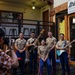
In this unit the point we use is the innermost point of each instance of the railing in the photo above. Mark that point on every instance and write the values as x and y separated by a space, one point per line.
11 27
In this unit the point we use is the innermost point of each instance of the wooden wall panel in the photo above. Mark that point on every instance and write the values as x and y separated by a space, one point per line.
61 7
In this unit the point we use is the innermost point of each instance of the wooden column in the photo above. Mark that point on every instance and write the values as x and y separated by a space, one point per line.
66 27
52 12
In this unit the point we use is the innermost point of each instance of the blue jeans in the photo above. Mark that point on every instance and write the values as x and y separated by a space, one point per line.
64 62
22 61
41 64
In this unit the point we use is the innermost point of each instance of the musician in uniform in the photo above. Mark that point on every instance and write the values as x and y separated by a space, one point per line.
32 53
51 42
65 54
20 45
44 58
5 60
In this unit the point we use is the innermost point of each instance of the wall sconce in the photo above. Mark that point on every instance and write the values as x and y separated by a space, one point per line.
33 7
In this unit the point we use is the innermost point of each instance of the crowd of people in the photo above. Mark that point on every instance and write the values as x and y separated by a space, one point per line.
45 52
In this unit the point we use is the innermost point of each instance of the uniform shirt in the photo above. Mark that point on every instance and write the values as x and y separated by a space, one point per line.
50 41
20 43
30 40
61 42
42 51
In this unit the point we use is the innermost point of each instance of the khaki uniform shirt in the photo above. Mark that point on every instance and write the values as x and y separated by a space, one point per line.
20 43
50 41
61 42
42 51
30 40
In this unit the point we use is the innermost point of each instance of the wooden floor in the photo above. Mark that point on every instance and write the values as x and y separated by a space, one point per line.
72 63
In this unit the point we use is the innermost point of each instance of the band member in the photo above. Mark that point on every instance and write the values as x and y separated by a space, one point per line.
65 53
51 41
33 53
5 60
43 55
20 45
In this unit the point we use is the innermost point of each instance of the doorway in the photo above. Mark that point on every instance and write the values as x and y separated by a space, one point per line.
46 22
46 15
72 33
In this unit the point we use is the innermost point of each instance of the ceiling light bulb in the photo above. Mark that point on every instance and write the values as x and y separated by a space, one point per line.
33 7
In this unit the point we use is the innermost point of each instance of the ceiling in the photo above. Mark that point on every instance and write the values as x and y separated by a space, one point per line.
37 3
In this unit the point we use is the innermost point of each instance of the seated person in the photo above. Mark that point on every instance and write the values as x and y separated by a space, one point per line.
43 55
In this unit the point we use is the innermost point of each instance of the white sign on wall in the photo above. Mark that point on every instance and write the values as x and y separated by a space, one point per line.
71 6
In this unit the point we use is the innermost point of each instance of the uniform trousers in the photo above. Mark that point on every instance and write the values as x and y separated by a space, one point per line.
33 61
21 58
65 63
52 57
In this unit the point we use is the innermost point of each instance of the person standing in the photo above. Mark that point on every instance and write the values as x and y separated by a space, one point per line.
20 46
5 60
32 49
44 58
51 42
64 54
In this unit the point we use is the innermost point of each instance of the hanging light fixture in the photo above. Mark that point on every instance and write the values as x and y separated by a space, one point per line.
33 6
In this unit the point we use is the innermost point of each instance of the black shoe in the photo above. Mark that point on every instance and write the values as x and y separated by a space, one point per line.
54 72
63 74
68 74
